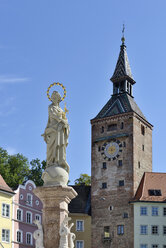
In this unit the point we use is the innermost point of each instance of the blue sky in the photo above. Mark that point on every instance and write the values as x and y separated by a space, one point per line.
77 43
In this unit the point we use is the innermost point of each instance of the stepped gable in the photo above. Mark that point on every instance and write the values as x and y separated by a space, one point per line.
122 103
4 187
152 188
82 203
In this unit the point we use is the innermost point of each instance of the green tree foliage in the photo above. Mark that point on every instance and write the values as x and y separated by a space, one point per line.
36 171
13 168
83 179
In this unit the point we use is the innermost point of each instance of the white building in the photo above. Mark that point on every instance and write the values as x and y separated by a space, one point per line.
150 212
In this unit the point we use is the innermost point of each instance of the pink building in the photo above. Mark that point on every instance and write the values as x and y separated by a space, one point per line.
26 208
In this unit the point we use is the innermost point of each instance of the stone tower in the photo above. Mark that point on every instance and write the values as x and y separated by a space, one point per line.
121 153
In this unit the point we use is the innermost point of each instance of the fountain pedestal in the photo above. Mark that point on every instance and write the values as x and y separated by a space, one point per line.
55 201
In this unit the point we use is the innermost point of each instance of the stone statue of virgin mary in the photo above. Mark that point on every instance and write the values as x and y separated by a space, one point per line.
56 137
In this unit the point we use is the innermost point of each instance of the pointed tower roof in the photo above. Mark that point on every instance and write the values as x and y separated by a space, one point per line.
122 69
122 100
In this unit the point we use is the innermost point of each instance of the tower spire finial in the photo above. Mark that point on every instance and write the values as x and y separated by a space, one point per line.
123 38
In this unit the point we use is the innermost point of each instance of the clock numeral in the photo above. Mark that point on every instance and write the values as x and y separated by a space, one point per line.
120 145
120 150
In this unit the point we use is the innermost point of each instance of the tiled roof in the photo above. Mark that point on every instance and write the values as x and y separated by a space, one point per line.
82 203
4 186
151 181
122 69
119 104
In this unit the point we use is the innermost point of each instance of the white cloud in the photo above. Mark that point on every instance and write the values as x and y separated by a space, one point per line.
12 79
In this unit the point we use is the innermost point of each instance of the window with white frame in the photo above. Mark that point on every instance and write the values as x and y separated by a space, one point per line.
29 238
79 225
19 214
38 217
143 211
154 229
19 236
79 244
155 211
143 246
155 246
164 230
29 217
5 210
5 235
143 229
29 199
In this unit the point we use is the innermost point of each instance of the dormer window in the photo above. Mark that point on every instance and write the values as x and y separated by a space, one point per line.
154 192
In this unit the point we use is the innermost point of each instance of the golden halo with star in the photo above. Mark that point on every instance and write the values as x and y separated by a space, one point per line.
59 84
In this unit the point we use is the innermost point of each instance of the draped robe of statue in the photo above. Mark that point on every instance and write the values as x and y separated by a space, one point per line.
56 137
57 132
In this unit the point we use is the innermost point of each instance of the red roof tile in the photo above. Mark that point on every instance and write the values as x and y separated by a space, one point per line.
4 186
151 181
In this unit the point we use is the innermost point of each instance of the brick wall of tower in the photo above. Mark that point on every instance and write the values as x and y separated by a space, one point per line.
114 195
142 149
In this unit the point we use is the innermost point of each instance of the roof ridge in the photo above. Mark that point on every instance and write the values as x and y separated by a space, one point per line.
151 172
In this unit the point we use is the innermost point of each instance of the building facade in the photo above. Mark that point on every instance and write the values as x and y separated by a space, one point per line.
80 213
26 208
150 212
6 194
121 152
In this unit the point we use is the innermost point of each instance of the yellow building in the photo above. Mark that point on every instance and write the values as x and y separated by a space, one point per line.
6 194
80 213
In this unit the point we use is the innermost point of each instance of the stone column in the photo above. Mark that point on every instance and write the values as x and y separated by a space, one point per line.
55 201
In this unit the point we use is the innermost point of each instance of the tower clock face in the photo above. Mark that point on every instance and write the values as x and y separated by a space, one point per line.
111 150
